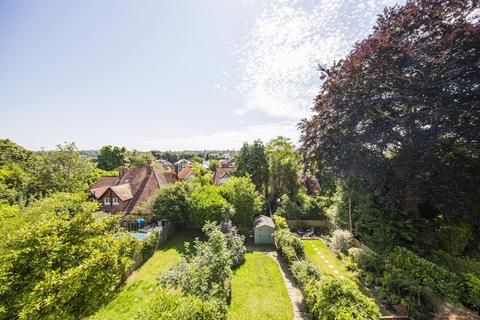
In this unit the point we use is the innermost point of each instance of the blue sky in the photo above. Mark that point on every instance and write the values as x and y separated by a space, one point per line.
167 75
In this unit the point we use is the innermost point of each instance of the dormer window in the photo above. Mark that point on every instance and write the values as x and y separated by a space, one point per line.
115 201
106 201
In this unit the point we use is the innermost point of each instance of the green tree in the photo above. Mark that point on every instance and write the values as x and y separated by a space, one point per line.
284 168
65 263
111 157
207 204
247 202
172 202
137 158
62 170
252 159
213 165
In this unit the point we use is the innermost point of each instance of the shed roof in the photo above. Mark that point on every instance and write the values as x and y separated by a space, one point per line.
263 221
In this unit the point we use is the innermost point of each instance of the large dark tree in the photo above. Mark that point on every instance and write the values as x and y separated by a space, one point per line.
402 112
111 157
252 159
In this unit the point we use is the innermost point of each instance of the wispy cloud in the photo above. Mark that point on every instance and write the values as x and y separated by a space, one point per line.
232 139
278 63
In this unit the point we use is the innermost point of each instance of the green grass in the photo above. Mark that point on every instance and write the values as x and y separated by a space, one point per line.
328 255
258 290
142 282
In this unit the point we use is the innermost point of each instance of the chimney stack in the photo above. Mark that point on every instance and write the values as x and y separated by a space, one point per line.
149 166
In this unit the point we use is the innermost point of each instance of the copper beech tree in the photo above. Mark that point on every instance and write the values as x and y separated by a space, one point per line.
401 113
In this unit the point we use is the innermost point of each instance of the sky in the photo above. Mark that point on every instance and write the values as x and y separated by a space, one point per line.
168 75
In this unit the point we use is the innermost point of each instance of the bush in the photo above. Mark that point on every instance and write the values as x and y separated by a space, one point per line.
280 222
172 202
304 271
424 272
168 305
332 299
471 291
341 240
367 260
235 243
207 204
205 271
290 246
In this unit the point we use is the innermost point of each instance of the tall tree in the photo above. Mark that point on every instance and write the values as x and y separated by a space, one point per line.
111 157
284 168
252 160
402 112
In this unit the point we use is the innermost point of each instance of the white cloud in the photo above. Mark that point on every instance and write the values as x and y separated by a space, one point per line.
278 63
232 139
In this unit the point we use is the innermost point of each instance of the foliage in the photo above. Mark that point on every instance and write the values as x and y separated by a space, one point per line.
10 152
207 204
331 298
401 114
302 206
137 158
111 158
341 240
471 291
172 202
252 160
65 263
241 193
171 305
280 222
235 242
205 271
213 165
290 246
424 272
304 271
283 165
63 170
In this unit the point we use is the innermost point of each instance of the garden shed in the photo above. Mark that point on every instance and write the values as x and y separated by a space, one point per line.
263 228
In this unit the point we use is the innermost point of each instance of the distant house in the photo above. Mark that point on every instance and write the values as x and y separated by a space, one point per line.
182 163
228 163
221 175
263 228
186 174
129 190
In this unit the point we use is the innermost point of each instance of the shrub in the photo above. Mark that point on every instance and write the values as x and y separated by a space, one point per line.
332 299
169 305
424 272
235 243
290 246
207 204
280 222
367 260
304 271
205 271
172 202
471 291
341 240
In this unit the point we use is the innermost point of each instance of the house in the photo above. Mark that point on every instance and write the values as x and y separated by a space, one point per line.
182 163
263 228
127 192
222 174
186 174
226 163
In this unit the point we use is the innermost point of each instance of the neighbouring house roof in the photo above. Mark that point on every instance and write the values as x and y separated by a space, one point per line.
123 191
221 173
135 185
185 173
263 221
228 162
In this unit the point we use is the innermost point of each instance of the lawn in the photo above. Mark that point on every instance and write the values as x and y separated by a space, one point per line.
328 263
141 283
258 290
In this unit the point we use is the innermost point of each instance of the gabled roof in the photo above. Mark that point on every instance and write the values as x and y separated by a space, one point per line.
263 221
222 172
123 191
105 181
185 173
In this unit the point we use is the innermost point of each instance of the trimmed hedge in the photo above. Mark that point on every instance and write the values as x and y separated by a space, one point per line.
290 246
425 273
333 299
304 271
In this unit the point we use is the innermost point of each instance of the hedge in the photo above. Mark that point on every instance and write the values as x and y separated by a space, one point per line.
290 246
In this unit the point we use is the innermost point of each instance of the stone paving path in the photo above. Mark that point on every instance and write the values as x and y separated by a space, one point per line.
295 294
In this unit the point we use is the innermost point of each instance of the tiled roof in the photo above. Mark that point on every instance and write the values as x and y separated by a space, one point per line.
105 181
221 172
123 191
185 173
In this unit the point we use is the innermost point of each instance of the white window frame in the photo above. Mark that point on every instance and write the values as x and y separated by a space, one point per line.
115 201
106 201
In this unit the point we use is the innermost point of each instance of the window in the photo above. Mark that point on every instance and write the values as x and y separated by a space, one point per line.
115 201
106 201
